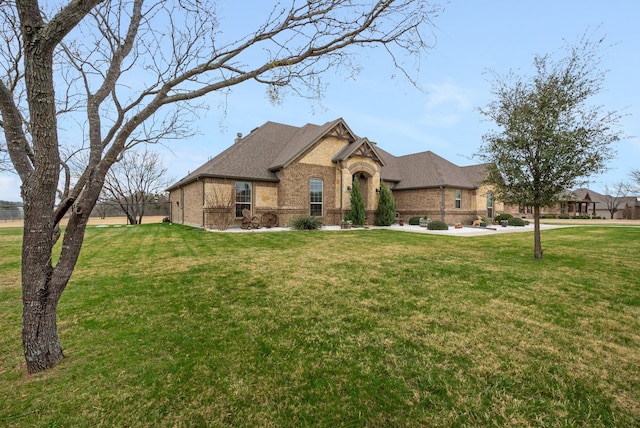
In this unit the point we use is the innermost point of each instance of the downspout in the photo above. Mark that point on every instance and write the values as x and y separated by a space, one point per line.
339 163
442 203
203 200
181 205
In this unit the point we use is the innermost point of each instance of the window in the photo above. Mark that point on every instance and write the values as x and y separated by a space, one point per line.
315 196
243 197
490 205
458 198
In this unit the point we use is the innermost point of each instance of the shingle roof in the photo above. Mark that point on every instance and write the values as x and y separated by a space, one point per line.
426 169
260 154
273 146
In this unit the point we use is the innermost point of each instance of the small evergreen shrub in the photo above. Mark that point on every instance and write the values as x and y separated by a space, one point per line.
414 221
548 216
386 211
306 223
437 225
501 217
515 221
564 216
356 214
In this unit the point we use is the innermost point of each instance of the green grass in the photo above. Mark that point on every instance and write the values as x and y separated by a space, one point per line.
164 325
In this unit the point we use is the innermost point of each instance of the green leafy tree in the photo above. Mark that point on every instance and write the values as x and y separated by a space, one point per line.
550 136
386 211
356 214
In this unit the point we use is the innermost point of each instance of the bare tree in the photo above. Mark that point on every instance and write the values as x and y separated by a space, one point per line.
219 205
634 186
613 197
133 182
136 69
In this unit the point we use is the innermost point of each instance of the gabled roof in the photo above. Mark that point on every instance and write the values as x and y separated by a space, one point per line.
361 147
304 139
259 155
273 146
583 194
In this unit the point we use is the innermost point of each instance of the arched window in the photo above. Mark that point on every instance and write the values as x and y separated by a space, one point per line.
315 197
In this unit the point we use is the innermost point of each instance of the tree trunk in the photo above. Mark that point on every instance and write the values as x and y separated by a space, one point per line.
537 243
42 349
40 298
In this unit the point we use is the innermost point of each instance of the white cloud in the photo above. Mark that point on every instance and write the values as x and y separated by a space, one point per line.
447 104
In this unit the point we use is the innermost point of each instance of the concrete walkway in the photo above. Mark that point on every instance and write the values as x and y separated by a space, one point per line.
464 231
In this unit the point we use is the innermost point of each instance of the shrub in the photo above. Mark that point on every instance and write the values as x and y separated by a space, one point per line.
386 211
515 221
437 225
564 216
548 216
414 221
357 214
306 223
501 217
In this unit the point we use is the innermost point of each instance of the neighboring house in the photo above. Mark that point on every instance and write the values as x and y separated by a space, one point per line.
299 171
587 202
590 202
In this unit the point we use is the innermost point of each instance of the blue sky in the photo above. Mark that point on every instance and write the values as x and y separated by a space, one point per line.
472 37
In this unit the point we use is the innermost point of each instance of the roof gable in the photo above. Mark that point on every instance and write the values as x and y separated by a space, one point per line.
307 137
361 147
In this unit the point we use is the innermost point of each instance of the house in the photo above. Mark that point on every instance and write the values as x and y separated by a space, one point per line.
589 202
294 171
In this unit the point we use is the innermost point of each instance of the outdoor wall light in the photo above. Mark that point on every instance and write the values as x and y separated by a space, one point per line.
348 188
377 190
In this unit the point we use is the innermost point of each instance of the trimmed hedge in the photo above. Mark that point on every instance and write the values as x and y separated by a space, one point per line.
414 221
437 225
501 217
515 221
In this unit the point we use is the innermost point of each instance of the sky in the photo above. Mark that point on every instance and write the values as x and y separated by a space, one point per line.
471 38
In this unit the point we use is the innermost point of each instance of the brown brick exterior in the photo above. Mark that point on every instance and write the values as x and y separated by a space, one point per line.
187 204
290 197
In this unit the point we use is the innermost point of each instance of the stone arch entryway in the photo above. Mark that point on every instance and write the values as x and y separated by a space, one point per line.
363 182
367 173
364 172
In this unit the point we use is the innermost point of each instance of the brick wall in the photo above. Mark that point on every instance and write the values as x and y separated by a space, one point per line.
421 202
187 203
293 191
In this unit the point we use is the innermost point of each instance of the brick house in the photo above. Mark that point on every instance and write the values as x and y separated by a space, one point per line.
298 171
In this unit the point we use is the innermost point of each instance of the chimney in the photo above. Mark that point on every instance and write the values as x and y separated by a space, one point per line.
238 136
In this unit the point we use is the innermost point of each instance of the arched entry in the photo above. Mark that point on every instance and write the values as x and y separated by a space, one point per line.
363 182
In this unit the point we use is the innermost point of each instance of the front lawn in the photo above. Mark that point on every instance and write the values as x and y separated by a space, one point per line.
165 325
